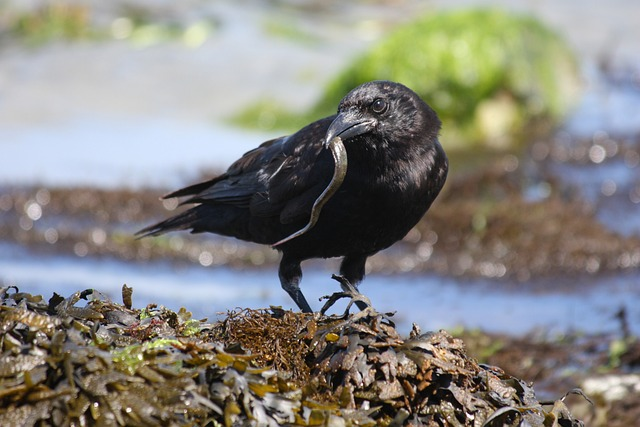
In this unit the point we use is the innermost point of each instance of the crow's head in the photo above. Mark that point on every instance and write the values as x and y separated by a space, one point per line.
386 110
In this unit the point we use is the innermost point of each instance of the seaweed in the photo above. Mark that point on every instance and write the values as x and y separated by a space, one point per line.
109 364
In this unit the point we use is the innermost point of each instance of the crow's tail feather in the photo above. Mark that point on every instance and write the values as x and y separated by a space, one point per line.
183 221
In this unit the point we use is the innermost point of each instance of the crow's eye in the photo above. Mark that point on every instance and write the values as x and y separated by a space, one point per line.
379 105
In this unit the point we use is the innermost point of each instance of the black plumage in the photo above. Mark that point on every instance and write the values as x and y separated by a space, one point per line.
396 168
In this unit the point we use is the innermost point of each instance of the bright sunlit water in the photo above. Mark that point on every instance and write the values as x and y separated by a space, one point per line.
113 152
433 302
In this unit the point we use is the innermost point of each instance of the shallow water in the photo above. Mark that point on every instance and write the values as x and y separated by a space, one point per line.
109 152
432 302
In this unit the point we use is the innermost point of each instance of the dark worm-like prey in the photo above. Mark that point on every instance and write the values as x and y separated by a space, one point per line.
340 170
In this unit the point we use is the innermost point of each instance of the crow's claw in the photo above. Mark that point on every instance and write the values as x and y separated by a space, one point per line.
348 291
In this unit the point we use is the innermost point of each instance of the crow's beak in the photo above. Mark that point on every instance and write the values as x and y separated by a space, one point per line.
347 125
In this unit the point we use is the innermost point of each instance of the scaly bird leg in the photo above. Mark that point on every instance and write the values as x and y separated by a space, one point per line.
290 274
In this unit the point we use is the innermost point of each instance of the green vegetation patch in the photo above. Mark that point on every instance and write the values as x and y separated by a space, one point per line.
489 74
63 20
55 20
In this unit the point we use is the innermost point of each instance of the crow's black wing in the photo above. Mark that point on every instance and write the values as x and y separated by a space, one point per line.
243 169
295 185
222 201
282 177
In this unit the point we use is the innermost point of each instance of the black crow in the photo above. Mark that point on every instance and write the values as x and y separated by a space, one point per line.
396 168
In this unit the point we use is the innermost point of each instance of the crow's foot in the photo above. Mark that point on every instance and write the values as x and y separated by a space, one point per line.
348 291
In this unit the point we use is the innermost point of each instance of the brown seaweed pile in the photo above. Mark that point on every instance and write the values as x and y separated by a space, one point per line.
85 360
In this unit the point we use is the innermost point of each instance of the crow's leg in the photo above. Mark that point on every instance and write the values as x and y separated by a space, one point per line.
352 271
290 274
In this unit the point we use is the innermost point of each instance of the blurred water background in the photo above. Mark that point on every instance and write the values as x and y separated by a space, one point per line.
147 107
